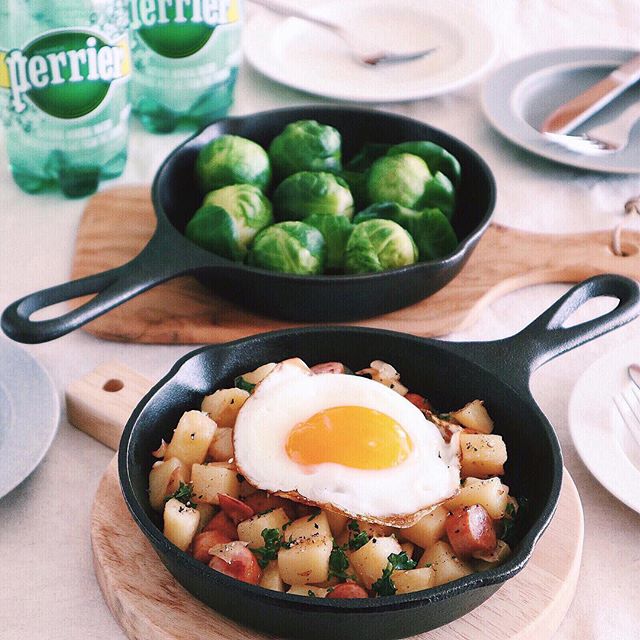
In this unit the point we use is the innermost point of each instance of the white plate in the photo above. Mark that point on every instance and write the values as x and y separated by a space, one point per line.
518 96
603 442
307 57
29 412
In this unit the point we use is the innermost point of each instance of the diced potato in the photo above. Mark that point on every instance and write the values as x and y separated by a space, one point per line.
482 455
429 529
208 480
251 530
271 577
491 494
374 530
306 561
497 556
164 479
308 526
446 565
223 405
249 380
474 416
206 511
409 548
371 559
414 579
308 590
180 523
221 447
191 438
337 522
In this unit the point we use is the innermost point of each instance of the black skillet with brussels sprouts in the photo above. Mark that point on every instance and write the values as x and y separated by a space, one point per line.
297 208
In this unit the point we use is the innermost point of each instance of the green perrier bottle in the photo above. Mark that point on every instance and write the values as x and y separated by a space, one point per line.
186 55
64 67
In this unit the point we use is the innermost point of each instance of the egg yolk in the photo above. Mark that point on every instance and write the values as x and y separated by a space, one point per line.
352 436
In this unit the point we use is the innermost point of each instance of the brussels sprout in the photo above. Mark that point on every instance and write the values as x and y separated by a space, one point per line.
370 152
305 145
437 158
291 247
439 194
336 231
305 193
376 245
400 178
232 160
429 228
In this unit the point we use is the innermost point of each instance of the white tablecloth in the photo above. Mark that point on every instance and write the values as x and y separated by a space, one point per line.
47 585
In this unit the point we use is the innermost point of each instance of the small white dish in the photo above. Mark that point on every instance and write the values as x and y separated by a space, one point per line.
29 415
517 97
604 443
306 57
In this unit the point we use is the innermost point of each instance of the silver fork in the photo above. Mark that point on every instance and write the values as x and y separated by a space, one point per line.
607 138
628 406
362 49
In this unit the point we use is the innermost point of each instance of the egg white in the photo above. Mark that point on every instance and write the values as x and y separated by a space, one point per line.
291 394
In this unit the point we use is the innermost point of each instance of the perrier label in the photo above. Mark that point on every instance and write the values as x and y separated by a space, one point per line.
67 73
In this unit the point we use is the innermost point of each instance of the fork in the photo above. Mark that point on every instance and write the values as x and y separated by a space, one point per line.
628 406
604 139
363 50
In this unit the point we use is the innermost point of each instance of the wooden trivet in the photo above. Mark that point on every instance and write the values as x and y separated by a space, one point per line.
118 222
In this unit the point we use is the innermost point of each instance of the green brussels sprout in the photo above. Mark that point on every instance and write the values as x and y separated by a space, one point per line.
305 193
400 178
232 160
437 158
336 231
429 228
439 194
291 247
370 152
305 145
376 245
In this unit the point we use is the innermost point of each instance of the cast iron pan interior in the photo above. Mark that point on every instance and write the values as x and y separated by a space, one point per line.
449 374
176 196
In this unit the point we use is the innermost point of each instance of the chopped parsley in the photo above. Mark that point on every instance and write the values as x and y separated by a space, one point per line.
184 494
313 516
272 543
360 539
338 564
510 524
241 383
384 585
311 594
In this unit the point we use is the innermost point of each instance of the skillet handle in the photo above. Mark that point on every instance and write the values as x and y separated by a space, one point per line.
159 261
545 338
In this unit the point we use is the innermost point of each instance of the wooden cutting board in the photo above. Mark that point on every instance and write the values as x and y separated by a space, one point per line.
149 603
118 222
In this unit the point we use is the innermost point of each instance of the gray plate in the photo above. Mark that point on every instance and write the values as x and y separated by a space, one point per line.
29 413
517 97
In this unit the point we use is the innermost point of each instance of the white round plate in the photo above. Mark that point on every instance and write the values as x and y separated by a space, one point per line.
518 96
307 57
29 413
599 434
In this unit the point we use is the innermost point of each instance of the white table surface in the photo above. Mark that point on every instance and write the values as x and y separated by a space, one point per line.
47 586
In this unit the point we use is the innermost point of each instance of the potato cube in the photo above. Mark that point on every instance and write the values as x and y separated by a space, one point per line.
208 480
375 530
482 455
491 494
271 577
306 560
429 529
308 590
414 579
221 447
251 530
165 478
249 380
337 522
180 523
409 548
474 416
191 438
309 526
446 565
223 406
371 559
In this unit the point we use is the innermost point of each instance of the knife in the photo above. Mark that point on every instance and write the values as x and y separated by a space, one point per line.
574 112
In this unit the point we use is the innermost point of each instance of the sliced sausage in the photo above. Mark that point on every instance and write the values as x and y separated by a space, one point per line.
348 590
234 508
222 522
261 501
239 563
204 541
470 530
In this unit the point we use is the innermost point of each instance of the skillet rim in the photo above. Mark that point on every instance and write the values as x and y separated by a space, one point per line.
495 576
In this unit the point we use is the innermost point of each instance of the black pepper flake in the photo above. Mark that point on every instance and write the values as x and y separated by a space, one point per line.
193 436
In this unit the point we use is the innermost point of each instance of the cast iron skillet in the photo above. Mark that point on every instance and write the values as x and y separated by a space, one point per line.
176 196
449 374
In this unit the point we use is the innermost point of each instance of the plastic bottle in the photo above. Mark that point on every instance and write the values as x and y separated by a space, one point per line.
64 67
186 55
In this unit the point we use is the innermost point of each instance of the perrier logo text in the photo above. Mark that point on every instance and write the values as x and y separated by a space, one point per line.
179 28
67 74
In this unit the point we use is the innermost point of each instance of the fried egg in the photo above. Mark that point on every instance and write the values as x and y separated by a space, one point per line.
344 443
